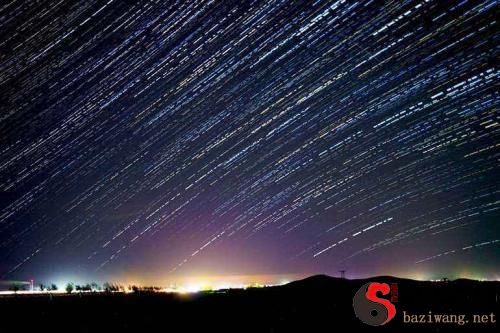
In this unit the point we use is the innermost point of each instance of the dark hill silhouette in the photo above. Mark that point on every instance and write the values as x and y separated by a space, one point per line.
316 280
316 304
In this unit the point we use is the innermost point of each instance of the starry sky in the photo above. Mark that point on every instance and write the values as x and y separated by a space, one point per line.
154 140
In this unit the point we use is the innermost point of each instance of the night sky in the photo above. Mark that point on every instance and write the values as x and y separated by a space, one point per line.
159 140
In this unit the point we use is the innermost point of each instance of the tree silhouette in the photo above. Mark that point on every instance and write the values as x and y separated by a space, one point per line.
53 287
109 287
95 286
69 288
15 288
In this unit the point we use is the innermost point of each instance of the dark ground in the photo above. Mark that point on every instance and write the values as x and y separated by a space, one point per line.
316 304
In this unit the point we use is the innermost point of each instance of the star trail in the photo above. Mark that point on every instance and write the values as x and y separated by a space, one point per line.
171 138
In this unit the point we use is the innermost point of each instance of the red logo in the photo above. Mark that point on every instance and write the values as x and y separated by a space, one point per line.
372 309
